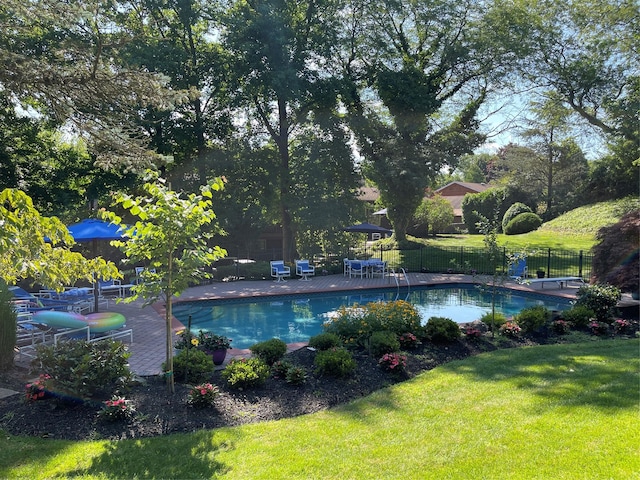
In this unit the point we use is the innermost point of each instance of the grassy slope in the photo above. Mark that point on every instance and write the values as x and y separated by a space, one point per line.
560 411
575 230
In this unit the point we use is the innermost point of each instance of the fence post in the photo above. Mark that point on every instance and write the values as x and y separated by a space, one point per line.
549 263
420 259
580 258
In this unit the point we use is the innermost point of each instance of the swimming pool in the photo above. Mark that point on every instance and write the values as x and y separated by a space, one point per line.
296 318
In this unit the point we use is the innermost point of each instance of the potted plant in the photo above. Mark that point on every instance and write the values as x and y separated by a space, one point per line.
540 273
215 345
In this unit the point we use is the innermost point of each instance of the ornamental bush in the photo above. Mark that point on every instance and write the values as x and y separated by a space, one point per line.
270 351
601 298
325 341
513 211
383 342
578 315
246 373
202 395
335 362
531 319
82 369
523 223
442 330
192 365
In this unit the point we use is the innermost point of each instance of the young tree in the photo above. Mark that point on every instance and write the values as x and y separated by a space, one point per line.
170 236
436 213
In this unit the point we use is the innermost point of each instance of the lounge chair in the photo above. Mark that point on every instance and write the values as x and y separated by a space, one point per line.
279 270
304 270
518 269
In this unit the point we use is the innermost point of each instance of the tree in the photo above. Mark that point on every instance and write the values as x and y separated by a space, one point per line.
169 234
64 60
38 248
436 213
415 81
282 64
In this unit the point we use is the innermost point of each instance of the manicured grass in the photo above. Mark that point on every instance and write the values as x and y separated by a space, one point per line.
560 411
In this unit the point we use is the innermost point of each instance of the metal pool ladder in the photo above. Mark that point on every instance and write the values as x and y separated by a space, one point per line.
406 277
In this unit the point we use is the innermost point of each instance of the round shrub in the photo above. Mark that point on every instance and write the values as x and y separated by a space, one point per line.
383 342
442 330
578 315
280 368
325 341
498 319
600 298
192 365
523 223
531 319
335 362
246 373
296 375
270 351
513 211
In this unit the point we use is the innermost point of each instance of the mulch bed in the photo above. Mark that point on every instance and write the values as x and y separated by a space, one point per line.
158 412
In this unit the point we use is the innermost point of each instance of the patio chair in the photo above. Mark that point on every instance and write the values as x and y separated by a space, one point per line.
304 270
279 270
346 267
357 268
518 269
377 268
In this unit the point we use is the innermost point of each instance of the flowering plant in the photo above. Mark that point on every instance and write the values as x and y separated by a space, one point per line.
598 328
210 341
510 329
620 325
202 395
37 390
408 340
186 339
472 332
561 326
393 362
118 408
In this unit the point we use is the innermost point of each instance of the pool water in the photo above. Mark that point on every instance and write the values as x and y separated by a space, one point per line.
296 318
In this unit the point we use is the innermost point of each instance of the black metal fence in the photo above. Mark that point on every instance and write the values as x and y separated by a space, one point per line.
430 259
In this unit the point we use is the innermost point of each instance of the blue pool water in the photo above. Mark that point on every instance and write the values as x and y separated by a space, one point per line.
296 318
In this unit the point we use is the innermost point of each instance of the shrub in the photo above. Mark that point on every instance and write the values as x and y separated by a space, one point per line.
600 298
523 223
393 362
296 375
472 332
513 211
531 319
280 368
325 341
578 315
510 329
620 325
336 362
81 369
118 408
202 395
383 342
246 372
352 324
498 319
38 390
441 329
270 351
598 328
192 365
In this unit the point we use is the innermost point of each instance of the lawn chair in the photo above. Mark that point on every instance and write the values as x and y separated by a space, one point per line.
304 270
518 269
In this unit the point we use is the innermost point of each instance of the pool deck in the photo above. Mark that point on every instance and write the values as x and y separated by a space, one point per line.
148 346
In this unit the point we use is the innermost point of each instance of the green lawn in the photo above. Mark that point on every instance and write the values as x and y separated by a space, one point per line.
560 411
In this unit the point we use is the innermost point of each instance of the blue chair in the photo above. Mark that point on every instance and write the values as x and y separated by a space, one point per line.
518 269
279 270
357 268
304 270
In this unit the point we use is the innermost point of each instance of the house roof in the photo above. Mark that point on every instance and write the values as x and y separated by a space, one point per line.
470 187
368 194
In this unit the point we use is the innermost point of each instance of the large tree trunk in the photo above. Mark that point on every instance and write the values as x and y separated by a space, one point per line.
282 141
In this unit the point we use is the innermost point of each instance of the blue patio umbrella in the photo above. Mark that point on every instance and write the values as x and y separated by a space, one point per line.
94 230
367 228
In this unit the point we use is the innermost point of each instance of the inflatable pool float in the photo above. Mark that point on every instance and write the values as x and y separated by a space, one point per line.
97 322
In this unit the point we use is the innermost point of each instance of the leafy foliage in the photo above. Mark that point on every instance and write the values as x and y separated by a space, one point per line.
246 373
82 369
270 351
191 365
325 341
335 362
382 342
600 298
512 212
531 319
578 315
442 330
